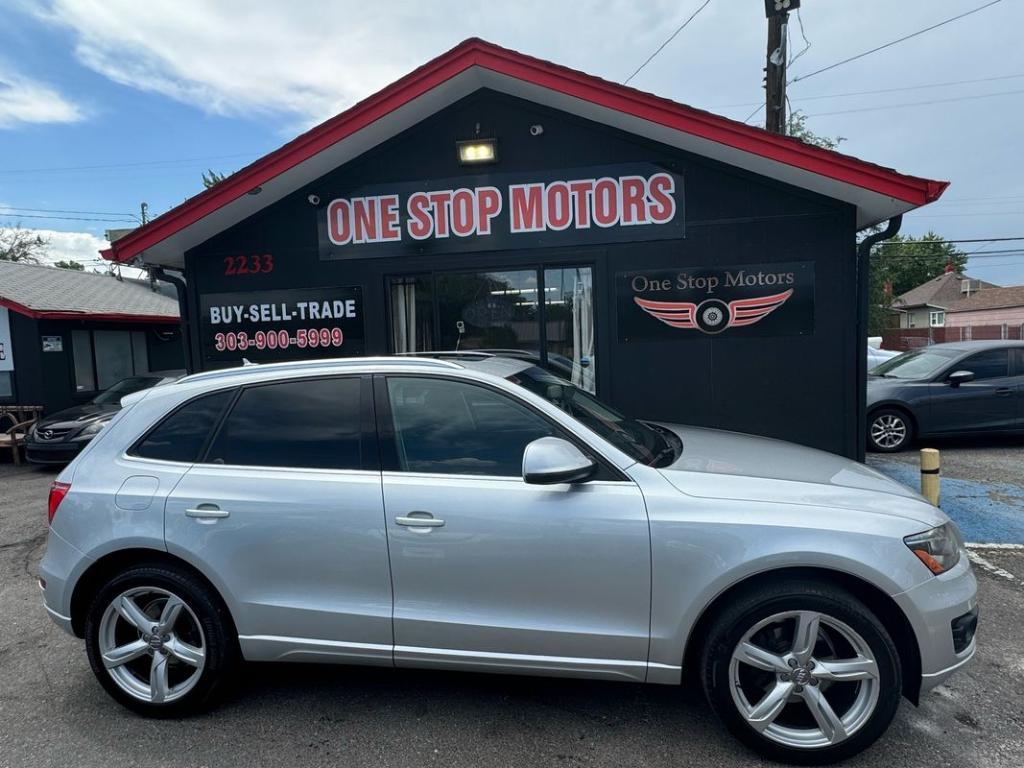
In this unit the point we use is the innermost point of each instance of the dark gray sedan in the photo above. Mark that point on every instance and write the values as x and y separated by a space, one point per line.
963 388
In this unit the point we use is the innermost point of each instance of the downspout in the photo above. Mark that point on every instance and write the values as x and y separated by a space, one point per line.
180 288
892 227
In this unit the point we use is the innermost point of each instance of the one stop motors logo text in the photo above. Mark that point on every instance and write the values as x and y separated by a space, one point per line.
657 304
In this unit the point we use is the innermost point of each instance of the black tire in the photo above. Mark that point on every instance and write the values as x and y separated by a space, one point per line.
756 605
892 420
218 638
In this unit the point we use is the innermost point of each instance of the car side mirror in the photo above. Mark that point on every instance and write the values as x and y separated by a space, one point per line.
960 377
552 460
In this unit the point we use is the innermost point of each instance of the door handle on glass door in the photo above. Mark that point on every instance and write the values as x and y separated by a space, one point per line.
1004 391
207 511
427 521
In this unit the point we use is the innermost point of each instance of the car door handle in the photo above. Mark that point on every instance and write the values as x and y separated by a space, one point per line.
1004 391
420 522
207 511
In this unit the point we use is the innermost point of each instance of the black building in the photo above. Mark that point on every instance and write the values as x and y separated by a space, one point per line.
65 336
685 266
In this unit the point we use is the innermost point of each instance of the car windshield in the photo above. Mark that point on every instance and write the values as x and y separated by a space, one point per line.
919 364
125 387
647 444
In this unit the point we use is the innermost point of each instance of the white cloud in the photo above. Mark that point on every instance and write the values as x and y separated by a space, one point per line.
83 247
313 59
24 100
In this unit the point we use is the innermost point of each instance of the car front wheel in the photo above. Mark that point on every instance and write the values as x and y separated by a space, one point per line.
160 641
802 673
889 430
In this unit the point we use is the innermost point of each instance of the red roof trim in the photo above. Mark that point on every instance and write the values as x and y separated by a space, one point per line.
107 317
475 52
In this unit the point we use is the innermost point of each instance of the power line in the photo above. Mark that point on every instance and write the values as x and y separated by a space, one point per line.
890 244
883 107
883 90
57 210
671 37
127 165
894 42
60 218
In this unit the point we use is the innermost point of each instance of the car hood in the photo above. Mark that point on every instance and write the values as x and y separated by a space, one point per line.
78 416
730 465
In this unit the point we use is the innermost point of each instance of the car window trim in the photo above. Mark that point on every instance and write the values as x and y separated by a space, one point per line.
131 452
389 445
369 456
959 364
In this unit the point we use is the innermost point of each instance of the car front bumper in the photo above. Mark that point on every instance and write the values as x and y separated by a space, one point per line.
932 608
53 453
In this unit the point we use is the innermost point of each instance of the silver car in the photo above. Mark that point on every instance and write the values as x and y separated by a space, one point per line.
486 515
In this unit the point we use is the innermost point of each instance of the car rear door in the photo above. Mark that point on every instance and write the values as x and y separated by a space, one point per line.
986 404
490 572
284 514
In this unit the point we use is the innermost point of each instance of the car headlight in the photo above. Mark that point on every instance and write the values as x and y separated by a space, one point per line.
92 428
939 548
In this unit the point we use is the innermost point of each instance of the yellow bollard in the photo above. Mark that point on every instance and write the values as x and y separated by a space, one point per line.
930 475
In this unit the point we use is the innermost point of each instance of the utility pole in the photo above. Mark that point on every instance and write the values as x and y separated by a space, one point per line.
144 211
777 12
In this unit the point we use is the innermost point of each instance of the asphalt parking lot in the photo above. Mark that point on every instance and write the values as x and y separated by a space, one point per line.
53 713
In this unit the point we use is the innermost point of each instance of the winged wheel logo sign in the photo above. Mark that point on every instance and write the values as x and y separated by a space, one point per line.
713 315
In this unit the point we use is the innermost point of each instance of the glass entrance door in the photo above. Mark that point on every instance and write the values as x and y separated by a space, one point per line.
546 315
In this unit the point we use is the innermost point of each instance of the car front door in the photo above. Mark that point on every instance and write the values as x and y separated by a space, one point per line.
490 572
284 514
989 402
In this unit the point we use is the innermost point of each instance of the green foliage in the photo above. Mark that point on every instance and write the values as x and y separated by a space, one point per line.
17 244
796 126
902 263
74 266
212 177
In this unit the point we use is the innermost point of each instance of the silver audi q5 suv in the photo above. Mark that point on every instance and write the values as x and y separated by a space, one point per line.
479 513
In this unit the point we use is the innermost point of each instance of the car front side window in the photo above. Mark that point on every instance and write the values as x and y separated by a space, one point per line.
991 364
450 427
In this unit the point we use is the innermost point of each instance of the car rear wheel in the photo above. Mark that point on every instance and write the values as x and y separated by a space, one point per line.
159 641
889 430
802 673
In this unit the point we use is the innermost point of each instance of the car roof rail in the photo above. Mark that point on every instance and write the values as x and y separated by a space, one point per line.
453 354
249 368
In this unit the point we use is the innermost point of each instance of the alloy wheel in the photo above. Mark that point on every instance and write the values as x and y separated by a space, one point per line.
888 431
152 644
804 679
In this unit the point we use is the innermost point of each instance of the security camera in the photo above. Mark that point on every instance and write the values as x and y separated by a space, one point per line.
536 129
314 199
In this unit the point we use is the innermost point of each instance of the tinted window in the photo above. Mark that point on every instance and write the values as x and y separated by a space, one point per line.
181 435
986 365
460 429
311 424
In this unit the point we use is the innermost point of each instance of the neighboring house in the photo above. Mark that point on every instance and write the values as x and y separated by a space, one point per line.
65 335
925 306
988 307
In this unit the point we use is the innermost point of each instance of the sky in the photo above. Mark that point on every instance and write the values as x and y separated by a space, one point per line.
106 104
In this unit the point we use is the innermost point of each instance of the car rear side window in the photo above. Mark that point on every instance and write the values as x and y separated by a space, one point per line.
180 436
991 364
312 424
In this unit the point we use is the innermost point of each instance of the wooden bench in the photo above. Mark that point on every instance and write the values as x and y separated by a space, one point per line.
15 422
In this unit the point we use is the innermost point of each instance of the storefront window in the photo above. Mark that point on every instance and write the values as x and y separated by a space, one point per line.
489 310
412 314
6 384
102 358
569 304
501 310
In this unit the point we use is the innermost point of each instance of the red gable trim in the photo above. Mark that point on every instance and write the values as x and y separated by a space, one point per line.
475 52
106 317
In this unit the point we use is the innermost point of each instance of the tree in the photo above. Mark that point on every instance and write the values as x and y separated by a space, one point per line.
212 177
904 262
74 266
17 244
796 126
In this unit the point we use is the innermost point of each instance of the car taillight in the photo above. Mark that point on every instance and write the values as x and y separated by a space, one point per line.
57 493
